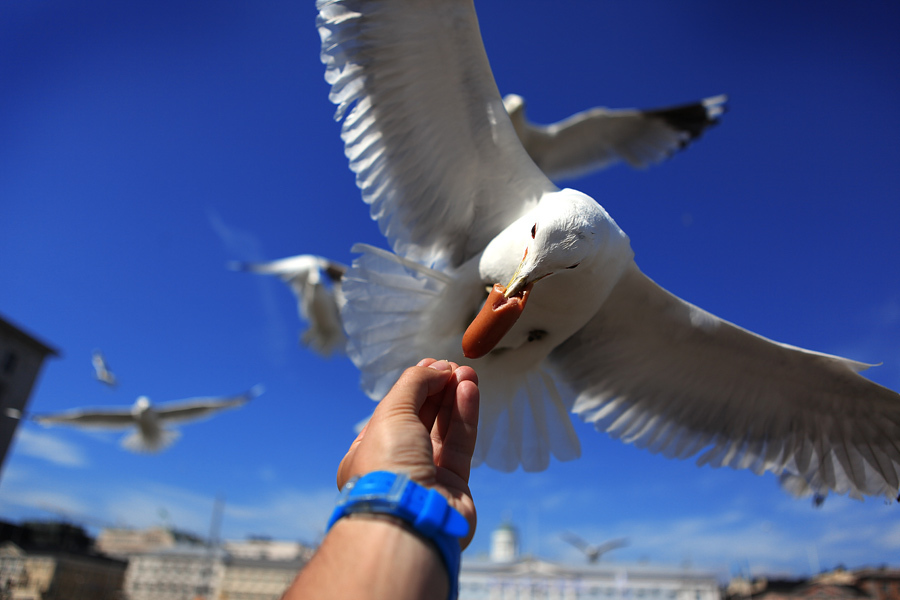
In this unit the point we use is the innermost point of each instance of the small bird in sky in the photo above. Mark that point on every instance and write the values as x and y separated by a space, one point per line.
316 282
150 433
102 371
593 552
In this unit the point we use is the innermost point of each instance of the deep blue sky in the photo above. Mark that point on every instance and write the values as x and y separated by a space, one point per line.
146 144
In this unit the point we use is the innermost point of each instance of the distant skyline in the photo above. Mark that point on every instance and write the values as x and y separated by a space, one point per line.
147 144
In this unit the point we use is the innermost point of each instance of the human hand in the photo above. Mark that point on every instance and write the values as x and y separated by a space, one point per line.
426 427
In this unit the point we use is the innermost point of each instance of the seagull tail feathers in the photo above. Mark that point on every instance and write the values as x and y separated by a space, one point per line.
135 442
526 429
389 301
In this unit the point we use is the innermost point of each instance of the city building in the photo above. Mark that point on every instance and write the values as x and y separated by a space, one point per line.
881 584
55 561
180 572
840 584
505 575
258 578
21 358
261 548
123 542
254 569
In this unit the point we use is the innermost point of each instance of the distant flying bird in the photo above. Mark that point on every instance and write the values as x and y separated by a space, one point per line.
464 207
318 302
101 369
150 434
600 137
593 552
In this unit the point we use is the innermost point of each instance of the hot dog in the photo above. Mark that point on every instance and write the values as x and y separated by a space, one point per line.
496 318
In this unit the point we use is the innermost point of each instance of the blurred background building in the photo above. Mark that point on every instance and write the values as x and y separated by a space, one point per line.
60 561
21 358
505 574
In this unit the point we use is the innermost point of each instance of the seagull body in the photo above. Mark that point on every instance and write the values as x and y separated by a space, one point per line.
319 303
150 434
101 369
464 207
599 137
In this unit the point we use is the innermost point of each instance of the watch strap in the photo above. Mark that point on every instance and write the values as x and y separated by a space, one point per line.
383 492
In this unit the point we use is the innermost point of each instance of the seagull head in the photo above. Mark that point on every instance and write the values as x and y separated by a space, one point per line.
568 229
141 405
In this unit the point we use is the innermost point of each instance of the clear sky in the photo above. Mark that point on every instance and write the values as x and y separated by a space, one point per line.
146 144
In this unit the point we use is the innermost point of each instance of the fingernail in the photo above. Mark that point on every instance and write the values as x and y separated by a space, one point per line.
441 365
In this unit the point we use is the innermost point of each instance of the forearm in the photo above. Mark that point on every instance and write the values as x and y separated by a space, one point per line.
371 558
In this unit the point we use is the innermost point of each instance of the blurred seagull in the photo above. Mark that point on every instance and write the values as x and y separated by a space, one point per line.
101 369
599 137
591 551
464 207
318 302
149 434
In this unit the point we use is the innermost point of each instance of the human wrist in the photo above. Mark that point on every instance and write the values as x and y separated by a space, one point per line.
425 511
386 561
392 556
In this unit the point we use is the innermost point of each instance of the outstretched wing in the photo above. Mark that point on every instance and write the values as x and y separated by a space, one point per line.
90 418
203 408
600 137
434 152
664 375
576 541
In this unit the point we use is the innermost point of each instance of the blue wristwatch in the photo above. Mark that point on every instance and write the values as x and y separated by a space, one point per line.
387 493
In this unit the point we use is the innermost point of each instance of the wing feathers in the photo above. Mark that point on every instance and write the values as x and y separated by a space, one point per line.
769 406
413 86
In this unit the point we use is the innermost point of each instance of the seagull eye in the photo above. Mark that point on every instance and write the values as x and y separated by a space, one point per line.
573 266
533 230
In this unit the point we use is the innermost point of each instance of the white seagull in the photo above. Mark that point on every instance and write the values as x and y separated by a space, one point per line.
464 207
585 142
101 369
600 137
319 303
150 434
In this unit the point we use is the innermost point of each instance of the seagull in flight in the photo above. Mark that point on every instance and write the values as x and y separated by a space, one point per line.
578 327
316 282
102 371
149 422
593 552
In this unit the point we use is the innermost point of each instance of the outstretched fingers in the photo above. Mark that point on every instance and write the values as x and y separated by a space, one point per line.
456 426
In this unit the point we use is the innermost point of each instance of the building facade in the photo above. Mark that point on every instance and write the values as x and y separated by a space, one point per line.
21 358
121 542
46 575
240 570
182 572
504 575
532 579
257 578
